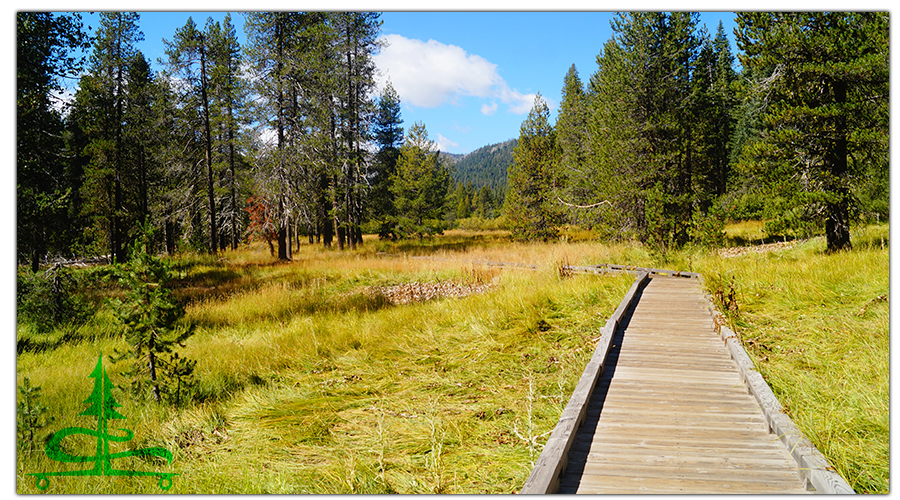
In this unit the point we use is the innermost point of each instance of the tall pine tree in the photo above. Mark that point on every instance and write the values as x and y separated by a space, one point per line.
532 206
824 86
388 134
103 96
44 42
419 186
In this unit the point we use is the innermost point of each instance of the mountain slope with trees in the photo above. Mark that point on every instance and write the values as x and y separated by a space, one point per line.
486 166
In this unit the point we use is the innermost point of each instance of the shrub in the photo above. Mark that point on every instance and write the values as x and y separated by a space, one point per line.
47 300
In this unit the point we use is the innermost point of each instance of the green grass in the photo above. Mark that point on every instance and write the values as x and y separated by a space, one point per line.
817 327
308 384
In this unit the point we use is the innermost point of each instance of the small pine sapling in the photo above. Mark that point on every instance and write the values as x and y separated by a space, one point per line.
30 414
153 327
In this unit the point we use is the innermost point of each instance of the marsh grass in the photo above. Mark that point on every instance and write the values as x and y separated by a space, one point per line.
307 384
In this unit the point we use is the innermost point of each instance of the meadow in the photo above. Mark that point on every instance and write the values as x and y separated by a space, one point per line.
311 378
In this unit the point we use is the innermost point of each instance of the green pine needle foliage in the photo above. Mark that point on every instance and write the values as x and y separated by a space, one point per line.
153 327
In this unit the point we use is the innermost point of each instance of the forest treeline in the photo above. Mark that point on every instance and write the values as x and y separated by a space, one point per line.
285 139
273 140
667 139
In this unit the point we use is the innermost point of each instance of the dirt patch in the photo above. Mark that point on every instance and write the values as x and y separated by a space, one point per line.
419 292
768 247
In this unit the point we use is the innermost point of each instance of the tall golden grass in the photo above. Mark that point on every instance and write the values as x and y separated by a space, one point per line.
306 383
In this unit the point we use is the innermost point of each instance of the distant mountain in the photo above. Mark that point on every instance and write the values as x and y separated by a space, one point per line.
485 166
452 157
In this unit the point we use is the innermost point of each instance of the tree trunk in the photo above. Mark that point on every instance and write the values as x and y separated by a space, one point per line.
213 233
837 223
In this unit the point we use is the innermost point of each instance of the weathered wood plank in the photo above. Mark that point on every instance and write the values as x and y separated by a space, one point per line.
641 485
693 471
544 477
675 410
748 455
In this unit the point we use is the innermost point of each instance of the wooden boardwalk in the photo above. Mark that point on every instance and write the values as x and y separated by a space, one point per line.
670 411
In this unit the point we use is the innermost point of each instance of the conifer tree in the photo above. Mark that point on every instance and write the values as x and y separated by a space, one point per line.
642 127
571 134
420 185
824 86
189 59
44 42
531 202
388 135
229 97
103 96
151 319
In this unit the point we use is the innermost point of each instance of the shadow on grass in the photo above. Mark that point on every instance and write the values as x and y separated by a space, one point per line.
440 243
742 241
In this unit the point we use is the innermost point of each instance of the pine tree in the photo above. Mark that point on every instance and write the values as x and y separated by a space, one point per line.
188 54
388 135
572 136
824 86
103 94
229 99
714 110
419 186
151 319
531 202
43 188
642 128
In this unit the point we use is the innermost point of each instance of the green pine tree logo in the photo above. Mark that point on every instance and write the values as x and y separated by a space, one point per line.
102 405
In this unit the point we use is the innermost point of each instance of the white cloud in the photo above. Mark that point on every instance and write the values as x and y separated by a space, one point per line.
445 144
489 109
430 74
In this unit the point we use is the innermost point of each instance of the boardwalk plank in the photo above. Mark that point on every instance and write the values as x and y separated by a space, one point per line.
671 412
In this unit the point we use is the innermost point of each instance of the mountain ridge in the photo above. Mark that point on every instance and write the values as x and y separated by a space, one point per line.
485 166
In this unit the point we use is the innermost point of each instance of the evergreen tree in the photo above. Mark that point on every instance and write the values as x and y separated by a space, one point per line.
102 96
486 203
229 97
140 142
825 89
152 326
572 136
419 186
642 130
44 190
357 41
189 59
531 202
271 52
388 135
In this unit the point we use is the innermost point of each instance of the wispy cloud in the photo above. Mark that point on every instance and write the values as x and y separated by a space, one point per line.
430 74
445 144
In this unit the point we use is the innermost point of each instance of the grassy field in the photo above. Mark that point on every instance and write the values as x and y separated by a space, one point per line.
310 380
818 328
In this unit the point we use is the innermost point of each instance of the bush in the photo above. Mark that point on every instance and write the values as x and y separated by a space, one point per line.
479 224
47 300
708 228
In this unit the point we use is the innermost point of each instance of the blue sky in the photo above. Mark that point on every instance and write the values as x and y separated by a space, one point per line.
470 77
